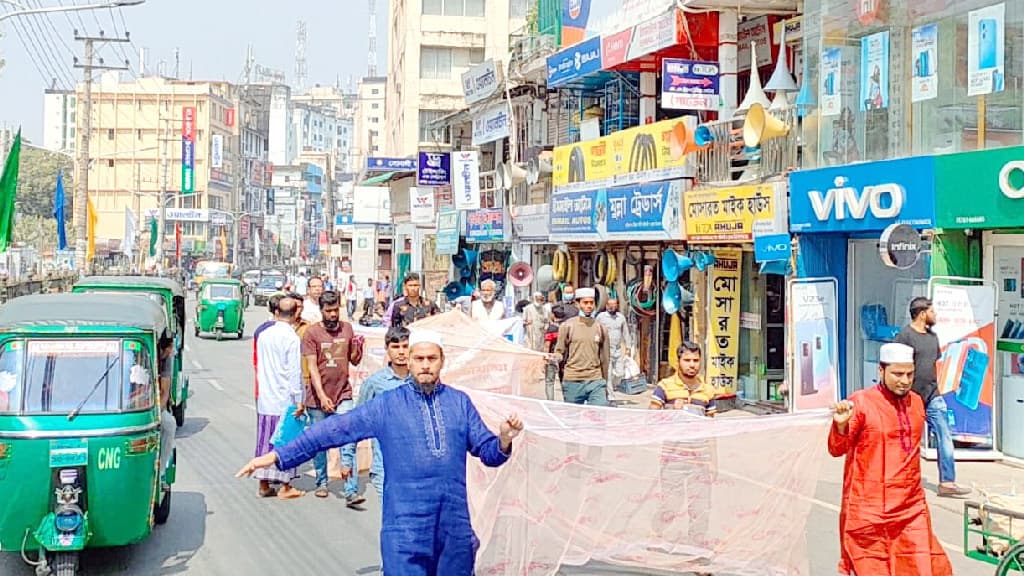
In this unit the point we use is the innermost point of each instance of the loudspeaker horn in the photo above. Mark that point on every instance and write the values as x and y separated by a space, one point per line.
782 79
703 135
805 98
671 297
674 265
511 174
466 259
759 126
701 260
532 171
755 94
545 275
453 290
682 141
545 160
520 274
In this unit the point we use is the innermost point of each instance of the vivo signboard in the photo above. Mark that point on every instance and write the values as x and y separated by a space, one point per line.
864 197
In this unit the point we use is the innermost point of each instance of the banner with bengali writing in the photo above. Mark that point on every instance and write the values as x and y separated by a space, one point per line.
724 321
740 213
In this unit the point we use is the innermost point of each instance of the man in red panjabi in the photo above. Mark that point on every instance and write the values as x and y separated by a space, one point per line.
885 528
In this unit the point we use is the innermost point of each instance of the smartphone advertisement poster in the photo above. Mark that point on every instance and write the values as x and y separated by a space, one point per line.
986 54
965 325
814 372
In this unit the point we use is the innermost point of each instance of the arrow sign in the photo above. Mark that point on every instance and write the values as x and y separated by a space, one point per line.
689 84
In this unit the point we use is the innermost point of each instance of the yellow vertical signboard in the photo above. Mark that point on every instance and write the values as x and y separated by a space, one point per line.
724 321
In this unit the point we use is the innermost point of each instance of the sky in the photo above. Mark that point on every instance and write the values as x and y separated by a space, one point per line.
212 36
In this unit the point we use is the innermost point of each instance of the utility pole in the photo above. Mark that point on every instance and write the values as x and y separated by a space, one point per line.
81 212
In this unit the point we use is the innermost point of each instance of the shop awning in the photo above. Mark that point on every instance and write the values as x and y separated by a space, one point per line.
378 179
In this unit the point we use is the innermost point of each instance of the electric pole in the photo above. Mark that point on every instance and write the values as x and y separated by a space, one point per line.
80 216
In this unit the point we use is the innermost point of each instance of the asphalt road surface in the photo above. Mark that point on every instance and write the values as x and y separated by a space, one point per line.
218 526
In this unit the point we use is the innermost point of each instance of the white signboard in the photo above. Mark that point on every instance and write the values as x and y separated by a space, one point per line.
481 81
364 252
181 214
421 205
371 205
217 151
491 124
466 180
754 30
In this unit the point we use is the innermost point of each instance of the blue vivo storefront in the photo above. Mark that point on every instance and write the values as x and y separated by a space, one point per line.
838 214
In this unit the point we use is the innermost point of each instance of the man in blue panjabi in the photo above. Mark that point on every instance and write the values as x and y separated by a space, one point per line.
392 376
425 430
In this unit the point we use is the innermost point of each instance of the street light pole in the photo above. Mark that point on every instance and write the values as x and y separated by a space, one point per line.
22 10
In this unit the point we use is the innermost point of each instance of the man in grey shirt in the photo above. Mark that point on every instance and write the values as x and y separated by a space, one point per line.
620 340
919 336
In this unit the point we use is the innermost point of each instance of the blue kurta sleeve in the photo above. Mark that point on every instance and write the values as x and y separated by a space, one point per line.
333 432
483 444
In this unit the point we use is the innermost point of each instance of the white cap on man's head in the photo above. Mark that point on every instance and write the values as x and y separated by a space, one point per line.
423 336
895 353
582 293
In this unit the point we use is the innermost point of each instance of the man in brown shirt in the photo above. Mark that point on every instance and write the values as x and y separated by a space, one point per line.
583 347
327 348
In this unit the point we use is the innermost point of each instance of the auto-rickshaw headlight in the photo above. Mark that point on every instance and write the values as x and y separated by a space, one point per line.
68 519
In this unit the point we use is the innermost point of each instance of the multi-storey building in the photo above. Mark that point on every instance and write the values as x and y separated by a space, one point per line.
369 121
59 120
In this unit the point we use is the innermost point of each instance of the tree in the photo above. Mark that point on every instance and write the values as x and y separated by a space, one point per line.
37 182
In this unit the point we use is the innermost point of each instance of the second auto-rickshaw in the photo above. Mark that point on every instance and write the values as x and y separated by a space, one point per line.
171 296
86 450
220 308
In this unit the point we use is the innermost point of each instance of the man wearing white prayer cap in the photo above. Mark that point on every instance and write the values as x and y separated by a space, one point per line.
583 348
884 523
424 429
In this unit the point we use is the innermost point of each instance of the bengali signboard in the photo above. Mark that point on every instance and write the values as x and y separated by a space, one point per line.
577 216
645 211
434 169
689 84
447 239
491 124
724 321
481 81
466 180
735 214
485 225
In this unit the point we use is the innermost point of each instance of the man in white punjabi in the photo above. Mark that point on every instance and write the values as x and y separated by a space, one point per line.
620 341
279 381
425 429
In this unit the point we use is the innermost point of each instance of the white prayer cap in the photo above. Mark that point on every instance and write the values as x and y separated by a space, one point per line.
582 293
422 336
896 354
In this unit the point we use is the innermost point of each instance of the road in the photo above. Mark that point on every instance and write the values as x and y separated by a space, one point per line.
218 526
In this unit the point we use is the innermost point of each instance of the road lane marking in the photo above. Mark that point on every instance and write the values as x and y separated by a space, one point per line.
213 382
196 364
250 407
188 348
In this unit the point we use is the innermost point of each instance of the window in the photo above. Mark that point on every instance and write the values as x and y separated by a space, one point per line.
61 376
221 292
466 57
110 134
110 163
474 8
428 133
374 120
138 134
375 106
435 63
374 133
375 91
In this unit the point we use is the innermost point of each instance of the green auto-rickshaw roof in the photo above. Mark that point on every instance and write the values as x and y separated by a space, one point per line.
229 281
70 310
141 282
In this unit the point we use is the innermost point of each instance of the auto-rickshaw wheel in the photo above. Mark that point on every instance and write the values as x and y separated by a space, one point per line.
1013 561
179 413
162 511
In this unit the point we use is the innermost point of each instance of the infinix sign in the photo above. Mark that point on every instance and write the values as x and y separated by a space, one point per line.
885 201
1010 189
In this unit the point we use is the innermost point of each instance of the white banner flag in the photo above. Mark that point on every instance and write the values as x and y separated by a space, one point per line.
466 180
130 226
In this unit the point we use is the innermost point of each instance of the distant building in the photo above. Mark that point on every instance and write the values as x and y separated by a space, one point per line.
59 118
368 125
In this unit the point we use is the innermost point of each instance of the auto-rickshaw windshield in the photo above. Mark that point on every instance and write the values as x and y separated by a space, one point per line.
221 292
213 269
64 376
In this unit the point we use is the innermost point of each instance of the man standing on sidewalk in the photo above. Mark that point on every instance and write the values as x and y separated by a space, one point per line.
328 347
619 341
583 347
885 527
919 336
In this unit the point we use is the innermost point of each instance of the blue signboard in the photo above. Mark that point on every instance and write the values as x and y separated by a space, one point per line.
574 62
374 164
485 225
447 239
435 169
645 211
772 247
865 197
578 216
689 84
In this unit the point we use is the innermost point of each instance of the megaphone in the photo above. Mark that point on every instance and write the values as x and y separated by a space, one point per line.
703 136
759 126
511 174
671 297
805 98
702 260
782 79
682 141
520 274
687 298
465 259
545 275
453 290
755 94
674 265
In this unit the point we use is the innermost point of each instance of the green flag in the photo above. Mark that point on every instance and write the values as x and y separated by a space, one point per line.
152 236
8 188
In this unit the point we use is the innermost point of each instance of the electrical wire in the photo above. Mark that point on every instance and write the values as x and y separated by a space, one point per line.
43 63
43 43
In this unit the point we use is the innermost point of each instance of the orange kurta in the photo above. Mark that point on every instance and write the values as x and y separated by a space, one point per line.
885 528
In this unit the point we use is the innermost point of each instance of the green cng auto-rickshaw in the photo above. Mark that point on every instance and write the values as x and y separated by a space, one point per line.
86 456
220 309
171 296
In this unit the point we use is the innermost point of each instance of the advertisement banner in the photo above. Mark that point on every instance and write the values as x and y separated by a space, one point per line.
1009 278
874 71
832 81
371 205
421 205
575 15
636 155
530 223
481 81
447 240
864 197
995 179
986 53
216 151
466 180
925 80
814 368
493 123
965 325
378 164
434 169
734 214
645 211
640 40
724 321
689 84
486 225
188 150
753 30
574 62
578 216
364 251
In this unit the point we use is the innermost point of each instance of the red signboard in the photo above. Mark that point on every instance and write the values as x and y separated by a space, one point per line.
229 116
188 122
868 11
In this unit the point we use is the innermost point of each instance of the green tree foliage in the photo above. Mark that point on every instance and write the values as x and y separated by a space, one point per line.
37 183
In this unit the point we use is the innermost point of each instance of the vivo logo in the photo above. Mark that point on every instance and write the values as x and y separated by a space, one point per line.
847 202
1008 189
775 248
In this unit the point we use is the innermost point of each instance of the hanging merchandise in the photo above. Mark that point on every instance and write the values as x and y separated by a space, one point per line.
671 298
612 274
674 265
642 294
675 338
601 267
560 265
